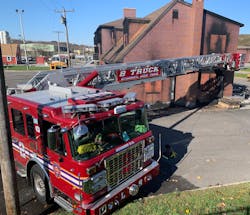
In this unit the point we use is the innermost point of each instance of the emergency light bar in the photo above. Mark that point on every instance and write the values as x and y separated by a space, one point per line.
130 97
80 108
110 102
93 96
120 109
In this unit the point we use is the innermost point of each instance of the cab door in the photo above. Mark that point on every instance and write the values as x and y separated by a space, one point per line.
23 132
58 159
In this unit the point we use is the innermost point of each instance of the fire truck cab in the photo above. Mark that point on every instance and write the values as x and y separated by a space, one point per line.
86 149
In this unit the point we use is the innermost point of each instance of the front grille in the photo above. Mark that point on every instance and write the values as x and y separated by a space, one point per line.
124 164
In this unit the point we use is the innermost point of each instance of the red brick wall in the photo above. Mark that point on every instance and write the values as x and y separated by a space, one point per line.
228 83
107 41
129 12
134 29
172 38
119 35
152 92
197 12
186 91
168 39
13 60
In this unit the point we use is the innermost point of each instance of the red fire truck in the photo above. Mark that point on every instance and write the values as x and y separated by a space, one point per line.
86 149
89 149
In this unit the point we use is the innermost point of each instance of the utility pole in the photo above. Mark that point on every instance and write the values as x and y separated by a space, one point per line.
58 40
20 13
64 21
6 155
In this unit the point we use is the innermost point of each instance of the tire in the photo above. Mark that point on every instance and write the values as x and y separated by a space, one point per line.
40 184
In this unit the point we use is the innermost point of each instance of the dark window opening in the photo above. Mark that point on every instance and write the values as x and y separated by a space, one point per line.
175 14
18 122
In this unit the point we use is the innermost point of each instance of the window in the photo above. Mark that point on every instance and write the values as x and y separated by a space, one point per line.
30 126
9 58
18 122
175 14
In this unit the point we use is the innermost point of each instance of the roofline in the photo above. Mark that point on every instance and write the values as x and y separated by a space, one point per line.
223 17
171 5
107 27
136 20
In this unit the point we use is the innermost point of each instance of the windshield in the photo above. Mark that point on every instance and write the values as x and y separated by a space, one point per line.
133 124
96 137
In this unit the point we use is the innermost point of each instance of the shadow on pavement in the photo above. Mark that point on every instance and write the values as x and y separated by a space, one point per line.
161 111
167 182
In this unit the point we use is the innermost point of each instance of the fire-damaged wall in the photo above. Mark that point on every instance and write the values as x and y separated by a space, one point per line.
220 35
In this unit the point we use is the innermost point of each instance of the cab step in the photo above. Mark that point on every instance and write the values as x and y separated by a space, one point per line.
63 203
20 170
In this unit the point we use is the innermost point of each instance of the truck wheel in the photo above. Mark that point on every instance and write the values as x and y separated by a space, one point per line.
40 184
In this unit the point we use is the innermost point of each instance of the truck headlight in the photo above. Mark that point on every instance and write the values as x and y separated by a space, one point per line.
148 152
95 183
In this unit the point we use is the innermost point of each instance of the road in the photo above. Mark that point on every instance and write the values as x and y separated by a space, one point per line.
12 78
212 147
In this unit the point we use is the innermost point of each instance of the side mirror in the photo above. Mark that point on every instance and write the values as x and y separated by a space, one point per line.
63 130
52 137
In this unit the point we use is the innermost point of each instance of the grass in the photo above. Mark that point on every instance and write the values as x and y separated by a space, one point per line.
241 75
24 67
245 70
234 199
222 200
244 40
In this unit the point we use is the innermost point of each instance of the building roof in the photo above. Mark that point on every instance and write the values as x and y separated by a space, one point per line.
154 18
223 17
9 49
117 24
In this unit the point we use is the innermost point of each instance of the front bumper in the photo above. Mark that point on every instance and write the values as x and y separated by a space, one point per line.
114 198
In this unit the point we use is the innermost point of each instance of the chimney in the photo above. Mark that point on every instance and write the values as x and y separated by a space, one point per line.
197 14
129 12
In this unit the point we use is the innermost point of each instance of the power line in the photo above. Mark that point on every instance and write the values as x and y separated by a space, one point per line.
20 13
58 40
64 21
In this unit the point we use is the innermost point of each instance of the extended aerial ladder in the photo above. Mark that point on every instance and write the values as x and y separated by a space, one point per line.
125 75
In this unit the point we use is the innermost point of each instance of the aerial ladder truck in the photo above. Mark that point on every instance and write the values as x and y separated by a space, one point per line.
125 75
82 143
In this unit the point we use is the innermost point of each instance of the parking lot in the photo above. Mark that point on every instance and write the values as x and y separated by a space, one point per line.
212 147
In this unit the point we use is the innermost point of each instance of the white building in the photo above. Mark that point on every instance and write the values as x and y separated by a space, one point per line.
4 37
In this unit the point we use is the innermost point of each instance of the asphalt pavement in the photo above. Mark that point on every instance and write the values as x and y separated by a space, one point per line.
212 147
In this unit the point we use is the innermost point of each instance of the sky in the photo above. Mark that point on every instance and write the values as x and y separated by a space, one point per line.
41 22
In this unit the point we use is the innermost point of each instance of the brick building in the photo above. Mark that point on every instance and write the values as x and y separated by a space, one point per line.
178 29
245 50
10 54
